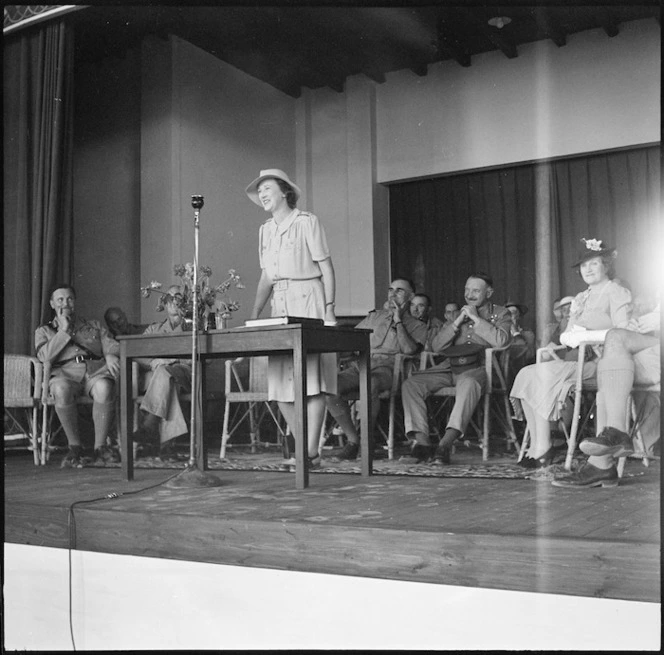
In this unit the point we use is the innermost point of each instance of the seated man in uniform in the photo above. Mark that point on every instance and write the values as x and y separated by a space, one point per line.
451 313
117 323
630 356
480 325
420 308
84 359
394 331
164 380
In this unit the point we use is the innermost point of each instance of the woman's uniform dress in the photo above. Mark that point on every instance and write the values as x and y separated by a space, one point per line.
289 254
545 386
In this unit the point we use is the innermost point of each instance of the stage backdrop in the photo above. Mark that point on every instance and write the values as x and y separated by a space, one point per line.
444 228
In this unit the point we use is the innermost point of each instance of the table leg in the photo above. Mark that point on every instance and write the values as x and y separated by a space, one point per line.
366 436
126 418
300 414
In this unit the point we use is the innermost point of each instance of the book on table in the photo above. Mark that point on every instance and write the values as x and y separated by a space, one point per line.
283 320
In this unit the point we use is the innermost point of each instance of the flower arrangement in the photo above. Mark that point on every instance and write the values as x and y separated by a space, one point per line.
209 296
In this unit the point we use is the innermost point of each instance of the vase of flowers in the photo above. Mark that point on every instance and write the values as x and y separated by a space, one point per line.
211 299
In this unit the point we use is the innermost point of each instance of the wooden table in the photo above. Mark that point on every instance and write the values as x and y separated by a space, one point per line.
295 340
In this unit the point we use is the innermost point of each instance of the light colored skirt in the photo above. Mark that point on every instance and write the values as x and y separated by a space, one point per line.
301 298
546 386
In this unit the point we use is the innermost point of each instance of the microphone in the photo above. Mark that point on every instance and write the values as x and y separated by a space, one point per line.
197 202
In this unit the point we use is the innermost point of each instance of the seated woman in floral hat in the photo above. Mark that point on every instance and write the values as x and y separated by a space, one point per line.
541 390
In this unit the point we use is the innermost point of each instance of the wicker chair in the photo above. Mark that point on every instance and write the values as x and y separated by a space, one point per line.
22 391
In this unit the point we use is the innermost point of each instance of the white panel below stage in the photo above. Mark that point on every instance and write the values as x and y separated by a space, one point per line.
124 602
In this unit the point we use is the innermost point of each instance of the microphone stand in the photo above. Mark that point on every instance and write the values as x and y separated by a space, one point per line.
192 476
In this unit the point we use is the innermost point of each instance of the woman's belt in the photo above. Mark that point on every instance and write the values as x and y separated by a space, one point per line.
283 284
79 359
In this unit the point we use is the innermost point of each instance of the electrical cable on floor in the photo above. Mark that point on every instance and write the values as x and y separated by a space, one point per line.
71 524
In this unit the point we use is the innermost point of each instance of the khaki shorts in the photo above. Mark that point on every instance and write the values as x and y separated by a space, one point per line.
647 366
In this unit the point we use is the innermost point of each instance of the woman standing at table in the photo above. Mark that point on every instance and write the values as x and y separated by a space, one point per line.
297 271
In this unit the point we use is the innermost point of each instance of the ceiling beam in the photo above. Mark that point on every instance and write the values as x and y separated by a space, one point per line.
277 57
449 43
503 43
609 23
497 37
293 91
550 27
337 85
420 70
376 76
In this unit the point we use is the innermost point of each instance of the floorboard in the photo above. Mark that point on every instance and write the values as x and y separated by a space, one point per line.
494 533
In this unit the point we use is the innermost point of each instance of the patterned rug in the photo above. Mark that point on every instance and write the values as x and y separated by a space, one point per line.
380 467
466 463
505 468
465 466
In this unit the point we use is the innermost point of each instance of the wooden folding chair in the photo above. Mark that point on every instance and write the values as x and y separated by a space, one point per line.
637 418
22 391
498 374
254 396
545 354
49 402
578 393
580 417
137 393
404 365
494 402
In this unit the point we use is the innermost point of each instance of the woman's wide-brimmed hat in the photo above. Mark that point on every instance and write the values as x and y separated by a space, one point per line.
270 173
593 248
522 308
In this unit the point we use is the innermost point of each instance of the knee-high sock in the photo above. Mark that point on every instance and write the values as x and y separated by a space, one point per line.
615 378
68 415
102 417
340 412
450 436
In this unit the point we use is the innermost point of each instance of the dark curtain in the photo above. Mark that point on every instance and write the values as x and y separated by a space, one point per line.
443 229
38 206
614 197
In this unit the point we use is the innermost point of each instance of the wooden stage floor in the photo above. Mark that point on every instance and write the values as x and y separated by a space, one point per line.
513 534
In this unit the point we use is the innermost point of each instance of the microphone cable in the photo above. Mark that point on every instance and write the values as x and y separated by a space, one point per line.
71 525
